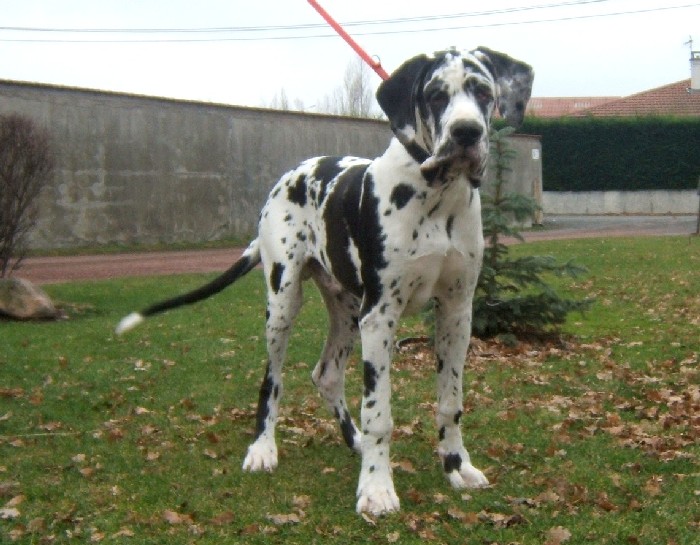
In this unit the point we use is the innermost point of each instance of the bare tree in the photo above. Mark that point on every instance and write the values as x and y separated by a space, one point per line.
280 101
355 97
26 164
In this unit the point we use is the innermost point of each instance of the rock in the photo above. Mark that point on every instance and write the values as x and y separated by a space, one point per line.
22 300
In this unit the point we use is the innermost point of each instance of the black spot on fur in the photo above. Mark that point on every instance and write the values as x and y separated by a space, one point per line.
369 237
340 217
440 364
297 192
325 172
370 378
266 389
441 433
450 225
458 415
452 463
401 194
346 427
276 276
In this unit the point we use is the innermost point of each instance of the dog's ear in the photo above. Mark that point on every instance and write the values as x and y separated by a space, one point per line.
514 79
397 97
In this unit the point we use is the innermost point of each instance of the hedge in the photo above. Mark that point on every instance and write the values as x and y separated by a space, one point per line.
598 154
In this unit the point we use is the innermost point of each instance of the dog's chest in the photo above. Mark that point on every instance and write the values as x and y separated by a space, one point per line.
432 245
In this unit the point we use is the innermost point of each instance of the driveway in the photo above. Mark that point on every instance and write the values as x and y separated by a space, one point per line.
52 270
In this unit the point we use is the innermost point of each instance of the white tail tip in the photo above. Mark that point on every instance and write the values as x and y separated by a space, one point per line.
129 322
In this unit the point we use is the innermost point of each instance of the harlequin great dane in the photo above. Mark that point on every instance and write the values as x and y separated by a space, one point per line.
380 238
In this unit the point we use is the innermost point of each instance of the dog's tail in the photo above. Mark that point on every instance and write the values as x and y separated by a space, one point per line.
247 262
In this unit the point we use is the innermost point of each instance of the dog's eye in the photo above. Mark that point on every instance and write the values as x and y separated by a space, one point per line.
483 94
439 99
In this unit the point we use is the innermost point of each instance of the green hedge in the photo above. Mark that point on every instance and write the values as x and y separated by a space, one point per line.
598 154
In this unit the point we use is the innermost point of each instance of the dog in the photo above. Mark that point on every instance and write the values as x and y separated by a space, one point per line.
381 238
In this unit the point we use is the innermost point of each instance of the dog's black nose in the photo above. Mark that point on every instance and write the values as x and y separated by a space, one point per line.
466 133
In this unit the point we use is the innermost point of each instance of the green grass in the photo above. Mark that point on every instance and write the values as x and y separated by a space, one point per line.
140 439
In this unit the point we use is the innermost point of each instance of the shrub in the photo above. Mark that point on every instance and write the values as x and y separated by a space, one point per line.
26 164
512 298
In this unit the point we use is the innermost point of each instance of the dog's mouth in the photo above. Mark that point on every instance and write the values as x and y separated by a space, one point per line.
454 157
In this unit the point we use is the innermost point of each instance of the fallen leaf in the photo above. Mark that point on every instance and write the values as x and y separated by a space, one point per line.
404 465
280 520
173 517
557 536
14 502
393 537
9 513
124 532
301 502
227 517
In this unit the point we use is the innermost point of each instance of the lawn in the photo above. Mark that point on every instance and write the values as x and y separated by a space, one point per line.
140 439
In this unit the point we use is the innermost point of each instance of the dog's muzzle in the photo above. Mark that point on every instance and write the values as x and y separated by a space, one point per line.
464 147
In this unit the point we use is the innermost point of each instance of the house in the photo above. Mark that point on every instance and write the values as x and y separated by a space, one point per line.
562 106
673 99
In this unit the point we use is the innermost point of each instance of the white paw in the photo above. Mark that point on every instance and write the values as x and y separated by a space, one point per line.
467 476
262 456
377 498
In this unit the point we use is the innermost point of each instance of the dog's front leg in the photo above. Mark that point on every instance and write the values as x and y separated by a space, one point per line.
452 332
375 491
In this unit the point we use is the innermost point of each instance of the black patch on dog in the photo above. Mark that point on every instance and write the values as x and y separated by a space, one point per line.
440 364
297 192
369 238
346 428
452 463
340 219
266 389
326 170
276 276
450 225
370 377
401 194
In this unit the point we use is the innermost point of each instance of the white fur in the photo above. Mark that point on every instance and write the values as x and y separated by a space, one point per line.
129 322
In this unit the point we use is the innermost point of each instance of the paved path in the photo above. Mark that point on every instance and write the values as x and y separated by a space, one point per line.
48 270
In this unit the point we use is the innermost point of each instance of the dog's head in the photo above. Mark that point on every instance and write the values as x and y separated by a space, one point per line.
440 106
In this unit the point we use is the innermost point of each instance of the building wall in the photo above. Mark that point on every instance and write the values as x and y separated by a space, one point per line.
140 170
620 202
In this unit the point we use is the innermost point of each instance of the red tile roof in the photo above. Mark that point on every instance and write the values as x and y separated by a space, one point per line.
561 106
672 99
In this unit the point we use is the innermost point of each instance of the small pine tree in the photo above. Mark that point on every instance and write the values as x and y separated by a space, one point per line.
512 298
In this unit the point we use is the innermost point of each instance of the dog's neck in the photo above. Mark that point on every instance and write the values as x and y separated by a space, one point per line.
438 176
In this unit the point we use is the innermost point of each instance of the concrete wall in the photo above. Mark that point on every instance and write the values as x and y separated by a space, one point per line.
620 202
133 169
525 176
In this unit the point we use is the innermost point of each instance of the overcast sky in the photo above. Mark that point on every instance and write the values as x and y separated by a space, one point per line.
234 51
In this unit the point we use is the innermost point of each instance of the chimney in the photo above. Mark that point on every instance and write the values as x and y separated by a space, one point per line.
695 71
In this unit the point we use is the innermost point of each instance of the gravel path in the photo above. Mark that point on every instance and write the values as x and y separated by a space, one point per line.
52 270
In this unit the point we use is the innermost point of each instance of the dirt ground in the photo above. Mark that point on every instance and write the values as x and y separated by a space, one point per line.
51 270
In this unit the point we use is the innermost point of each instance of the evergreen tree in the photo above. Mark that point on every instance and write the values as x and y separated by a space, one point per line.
512 297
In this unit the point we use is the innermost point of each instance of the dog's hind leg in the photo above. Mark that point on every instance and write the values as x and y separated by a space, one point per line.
329 373
283 304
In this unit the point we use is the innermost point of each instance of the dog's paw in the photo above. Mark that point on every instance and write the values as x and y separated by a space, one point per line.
262 456
377 500
467 476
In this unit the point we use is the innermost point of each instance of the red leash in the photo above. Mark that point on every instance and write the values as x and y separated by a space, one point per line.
375 64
